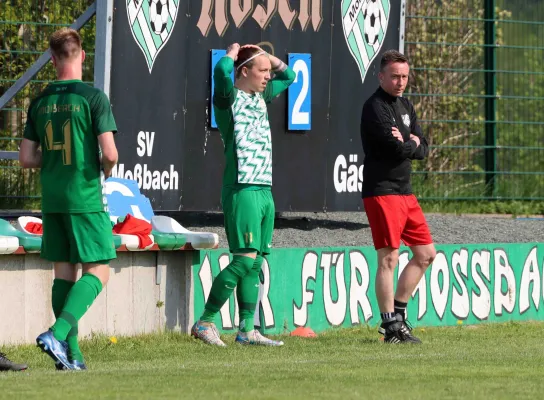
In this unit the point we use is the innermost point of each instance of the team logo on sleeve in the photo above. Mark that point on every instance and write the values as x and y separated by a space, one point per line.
365 25
151 23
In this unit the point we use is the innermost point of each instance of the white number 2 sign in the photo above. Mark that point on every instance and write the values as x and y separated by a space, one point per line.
300 93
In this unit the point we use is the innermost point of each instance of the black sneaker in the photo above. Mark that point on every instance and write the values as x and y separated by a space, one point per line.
398 332
7 365
381 328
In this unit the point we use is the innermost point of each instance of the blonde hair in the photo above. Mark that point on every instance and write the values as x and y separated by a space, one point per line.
65 44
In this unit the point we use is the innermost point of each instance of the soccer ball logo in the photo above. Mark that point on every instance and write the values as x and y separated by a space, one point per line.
158 15
151 23
372 22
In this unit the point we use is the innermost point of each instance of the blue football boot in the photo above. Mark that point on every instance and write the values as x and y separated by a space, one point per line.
55 349
76 365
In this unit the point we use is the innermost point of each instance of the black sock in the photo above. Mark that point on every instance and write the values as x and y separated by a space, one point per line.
388 318
400 308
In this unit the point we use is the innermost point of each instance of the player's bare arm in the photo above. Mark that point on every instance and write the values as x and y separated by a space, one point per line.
277 64
109 152
30 155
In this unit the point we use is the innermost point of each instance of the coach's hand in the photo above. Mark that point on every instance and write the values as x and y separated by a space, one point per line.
397 134
415 139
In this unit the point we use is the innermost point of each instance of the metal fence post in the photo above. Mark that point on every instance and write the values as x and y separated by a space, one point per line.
102 58
490 64
402 25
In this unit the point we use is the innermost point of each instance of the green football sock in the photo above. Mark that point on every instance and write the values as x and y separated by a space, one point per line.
224 284
78 301
73 345
248 293
60 291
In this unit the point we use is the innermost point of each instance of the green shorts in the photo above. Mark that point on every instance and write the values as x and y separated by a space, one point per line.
78 238
249 219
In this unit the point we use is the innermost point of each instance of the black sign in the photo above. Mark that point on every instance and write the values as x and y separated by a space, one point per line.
162 57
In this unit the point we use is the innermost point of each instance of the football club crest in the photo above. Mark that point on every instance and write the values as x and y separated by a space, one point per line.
151 23
365 25
406 119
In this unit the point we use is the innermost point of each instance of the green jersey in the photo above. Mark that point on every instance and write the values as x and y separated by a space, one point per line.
242 119
66 119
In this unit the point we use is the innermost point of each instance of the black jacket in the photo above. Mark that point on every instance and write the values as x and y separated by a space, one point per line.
388 161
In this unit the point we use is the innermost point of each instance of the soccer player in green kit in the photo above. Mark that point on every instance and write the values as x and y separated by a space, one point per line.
248 206
66 125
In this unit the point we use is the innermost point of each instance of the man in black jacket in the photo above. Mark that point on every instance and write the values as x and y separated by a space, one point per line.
391 140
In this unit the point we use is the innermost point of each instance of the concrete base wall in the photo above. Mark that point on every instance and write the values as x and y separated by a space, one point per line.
147 292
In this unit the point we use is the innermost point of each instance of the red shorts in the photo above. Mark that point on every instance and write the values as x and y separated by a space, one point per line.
396 217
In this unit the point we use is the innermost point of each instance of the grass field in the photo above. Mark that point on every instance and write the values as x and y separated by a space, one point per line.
493 362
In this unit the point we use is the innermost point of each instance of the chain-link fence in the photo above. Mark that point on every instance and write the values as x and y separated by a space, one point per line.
25 27
478 85
477 82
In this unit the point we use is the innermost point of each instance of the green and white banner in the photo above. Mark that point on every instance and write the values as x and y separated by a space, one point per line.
323 288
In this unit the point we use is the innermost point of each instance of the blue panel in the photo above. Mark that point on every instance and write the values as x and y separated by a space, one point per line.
216 56
299 95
